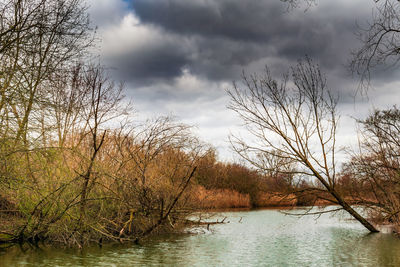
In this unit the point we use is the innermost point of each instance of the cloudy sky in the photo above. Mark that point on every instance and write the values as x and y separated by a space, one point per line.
177 57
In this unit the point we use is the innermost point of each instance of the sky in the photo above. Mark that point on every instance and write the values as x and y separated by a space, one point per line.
178 57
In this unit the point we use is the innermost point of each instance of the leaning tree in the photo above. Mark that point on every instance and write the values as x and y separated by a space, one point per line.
295 120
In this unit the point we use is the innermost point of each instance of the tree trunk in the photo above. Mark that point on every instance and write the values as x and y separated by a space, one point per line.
352 212
341 201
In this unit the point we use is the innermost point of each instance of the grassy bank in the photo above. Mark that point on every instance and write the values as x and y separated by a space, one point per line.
228 198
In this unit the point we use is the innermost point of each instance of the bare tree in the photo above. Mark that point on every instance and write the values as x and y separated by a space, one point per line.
103 103
375 168
380 40
298 3
295 120
150 169
39 41
39 38
62 174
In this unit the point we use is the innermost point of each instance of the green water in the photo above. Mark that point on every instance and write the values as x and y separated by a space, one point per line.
261 238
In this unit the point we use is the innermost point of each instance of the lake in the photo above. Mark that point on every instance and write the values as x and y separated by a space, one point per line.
251 238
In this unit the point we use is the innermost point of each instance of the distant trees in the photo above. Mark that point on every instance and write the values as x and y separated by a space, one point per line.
213 175
294 120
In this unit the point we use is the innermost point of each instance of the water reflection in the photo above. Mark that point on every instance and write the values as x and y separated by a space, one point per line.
262 238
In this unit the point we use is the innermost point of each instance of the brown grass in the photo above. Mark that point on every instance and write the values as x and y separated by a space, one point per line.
220 198
265 199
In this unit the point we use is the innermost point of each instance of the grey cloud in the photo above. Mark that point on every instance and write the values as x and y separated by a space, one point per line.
218 39
227 36
150 65
106 12
178 56
242 20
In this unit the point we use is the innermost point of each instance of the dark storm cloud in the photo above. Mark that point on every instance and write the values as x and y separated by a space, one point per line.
227 36
240 20
151 64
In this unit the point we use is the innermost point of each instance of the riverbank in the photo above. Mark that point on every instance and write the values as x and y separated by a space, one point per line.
135 225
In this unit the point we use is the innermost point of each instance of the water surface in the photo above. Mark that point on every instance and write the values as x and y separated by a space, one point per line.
251 238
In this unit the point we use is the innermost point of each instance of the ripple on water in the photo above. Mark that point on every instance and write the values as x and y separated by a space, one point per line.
261 238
